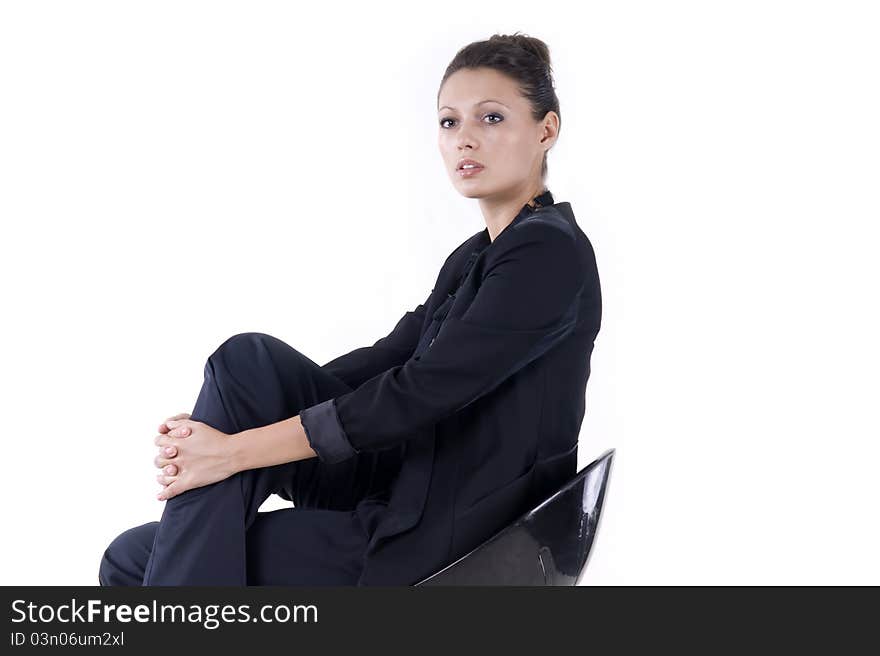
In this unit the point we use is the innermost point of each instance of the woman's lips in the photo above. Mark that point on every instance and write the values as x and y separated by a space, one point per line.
466 173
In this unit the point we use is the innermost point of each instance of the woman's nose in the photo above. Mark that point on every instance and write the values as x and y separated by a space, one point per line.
465 138
465 145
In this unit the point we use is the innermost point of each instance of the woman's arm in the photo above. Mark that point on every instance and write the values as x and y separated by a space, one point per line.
361 364
527 302
274 444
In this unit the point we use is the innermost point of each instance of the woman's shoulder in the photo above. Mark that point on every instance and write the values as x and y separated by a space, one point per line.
553 221
556 217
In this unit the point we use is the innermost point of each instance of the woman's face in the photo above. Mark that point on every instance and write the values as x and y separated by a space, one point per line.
482 116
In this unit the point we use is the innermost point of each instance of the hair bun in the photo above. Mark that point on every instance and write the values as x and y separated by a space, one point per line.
529 43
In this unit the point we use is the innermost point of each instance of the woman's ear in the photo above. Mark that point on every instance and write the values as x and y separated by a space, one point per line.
550 129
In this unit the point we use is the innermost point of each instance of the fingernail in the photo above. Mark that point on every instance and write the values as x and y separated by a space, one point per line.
169 449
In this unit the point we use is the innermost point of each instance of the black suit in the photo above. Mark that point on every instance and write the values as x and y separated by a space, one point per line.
483 385
428 441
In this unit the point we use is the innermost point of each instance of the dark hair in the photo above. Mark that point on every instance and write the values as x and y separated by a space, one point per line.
524 58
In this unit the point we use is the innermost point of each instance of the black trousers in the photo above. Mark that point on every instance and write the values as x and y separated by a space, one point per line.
214 535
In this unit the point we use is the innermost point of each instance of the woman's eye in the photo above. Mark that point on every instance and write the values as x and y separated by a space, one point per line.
498 116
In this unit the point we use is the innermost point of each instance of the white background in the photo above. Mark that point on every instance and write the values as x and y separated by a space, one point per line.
173 173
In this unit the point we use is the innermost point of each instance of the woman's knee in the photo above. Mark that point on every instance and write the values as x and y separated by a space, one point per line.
244 346
243 340
254 351
251 340
237 344
124 561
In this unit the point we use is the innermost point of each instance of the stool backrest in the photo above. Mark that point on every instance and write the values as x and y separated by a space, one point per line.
548 545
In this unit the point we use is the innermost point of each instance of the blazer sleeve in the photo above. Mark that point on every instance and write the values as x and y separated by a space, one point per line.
394 349
526 303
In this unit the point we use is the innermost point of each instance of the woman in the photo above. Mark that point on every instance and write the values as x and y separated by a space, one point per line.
403 456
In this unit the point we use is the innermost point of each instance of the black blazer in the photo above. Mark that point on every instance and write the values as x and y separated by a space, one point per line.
481 388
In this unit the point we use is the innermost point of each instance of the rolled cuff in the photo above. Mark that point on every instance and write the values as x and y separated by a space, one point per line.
325 434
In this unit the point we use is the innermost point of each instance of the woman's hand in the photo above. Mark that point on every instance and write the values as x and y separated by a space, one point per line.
163 427
196 453
169 451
